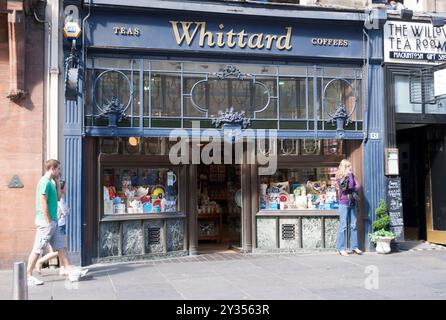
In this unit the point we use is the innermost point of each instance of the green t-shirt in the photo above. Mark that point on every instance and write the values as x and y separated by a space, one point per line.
46 187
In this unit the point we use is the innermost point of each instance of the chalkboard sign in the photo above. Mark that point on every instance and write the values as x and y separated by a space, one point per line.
395 207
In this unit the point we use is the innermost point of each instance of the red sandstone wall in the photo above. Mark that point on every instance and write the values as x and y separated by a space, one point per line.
21 146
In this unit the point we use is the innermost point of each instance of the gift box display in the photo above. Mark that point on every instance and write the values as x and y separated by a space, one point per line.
310 189
138 191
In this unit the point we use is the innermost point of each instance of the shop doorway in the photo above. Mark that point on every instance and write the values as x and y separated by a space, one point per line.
435 184
219 202
422 153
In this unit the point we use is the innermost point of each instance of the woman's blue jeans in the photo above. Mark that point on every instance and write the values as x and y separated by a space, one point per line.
347 213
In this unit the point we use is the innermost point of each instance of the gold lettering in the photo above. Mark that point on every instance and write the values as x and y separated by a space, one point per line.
283 42
116 29
230 35
269 40
185 27
258 43
204 33
122 30
130 32
137 32
241 35
220 41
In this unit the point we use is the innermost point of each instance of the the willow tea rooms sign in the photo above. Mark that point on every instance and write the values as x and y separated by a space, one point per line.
411 42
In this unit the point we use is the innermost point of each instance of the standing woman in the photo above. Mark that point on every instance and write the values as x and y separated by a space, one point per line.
348 195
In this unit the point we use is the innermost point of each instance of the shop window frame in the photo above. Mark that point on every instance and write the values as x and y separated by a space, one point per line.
112 161
392 116
313 76
308 161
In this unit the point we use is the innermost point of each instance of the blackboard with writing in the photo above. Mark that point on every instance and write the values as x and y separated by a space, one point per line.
395 207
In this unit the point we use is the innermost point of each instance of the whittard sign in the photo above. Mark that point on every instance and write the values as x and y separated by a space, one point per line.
410 42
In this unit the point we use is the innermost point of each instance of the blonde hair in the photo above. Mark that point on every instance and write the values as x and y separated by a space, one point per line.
342 169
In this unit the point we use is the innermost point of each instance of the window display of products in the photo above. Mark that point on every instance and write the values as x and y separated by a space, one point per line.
140 190
299 189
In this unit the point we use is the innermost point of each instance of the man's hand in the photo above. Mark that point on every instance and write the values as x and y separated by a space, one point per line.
44 206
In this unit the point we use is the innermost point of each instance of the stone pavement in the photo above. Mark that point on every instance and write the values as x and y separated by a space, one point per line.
231 275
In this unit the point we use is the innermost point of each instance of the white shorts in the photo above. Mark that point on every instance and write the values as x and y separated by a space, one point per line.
50 234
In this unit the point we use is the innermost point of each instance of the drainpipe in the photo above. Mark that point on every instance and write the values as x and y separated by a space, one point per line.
366 87
52 79
47 97
84 64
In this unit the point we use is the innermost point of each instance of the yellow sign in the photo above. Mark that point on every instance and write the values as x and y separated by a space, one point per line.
71 30
187 31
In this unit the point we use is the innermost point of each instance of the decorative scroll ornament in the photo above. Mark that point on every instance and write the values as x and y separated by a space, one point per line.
230 71
342 117
311 146
231 117
114 110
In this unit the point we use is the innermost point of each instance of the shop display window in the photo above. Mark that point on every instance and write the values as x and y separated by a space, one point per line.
139 190
299 189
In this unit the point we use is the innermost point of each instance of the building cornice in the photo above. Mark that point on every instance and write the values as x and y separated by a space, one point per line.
248 8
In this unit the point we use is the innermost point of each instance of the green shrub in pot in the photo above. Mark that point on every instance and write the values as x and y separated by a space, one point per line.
381 235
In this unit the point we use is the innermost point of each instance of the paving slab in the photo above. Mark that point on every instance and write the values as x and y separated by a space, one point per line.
403 275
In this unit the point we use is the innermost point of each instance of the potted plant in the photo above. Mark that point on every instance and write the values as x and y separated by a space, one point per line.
381 235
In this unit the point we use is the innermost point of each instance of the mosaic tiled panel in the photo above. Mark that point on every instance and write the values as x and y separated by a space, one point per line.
289 233
312 233
156 228
109 239
132 242
266 233
175 234
331 232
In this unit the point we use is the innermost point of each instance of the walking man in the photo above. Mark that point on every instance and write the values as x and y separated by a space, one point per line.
47 231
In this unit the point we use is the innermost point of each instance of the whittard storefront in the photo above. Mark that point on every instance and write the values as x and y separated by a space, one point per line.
194 132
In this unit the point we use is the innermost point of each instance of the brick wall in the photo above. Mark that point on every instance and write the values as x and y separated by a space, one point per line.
21 145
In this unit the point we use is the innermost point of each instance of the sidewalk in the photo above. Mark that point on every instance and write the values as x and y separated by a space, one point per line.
230 275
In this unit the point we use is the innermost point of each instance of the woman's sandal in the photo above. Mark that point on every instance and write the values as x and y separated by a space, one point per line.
343 253
357 251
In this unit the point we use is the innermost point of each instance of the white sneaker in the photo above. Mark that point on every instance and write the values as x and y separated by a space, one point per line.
76 274
33 281
83 272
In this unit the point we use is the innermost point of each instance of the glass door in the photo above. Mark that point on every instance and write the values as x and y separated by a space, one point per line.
435 185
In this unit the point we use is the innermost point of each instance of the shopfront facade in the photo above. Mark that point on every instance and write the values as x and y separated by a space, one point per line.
416 124
180 115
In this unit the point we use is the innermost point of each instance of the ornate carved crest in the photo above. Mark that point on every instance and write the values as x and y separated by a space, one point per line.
340 113
114 109
231 117
230 71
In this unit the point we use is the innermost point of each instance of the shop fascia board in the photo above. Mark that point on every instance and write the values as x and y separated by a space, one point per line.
231 9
